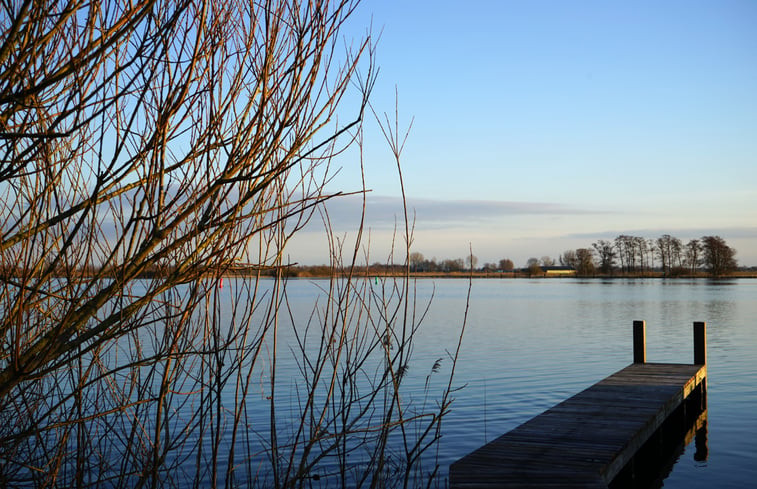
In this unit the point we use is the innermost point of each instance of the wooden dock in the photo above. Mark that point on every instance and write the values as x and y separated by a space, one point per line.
587 440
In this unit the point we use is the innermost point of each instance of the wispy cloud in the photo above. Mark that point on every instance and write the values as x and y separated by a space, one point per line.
383 212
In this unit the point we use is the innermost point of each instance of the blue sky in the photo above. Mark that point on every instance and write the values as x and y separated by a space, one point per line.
542 126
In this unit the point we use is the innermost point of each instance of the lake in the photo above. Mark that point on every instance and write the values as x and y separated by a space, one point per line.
530 344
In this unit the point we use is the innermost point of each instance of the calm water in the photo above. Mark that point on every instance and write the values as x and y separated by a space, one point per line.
530 344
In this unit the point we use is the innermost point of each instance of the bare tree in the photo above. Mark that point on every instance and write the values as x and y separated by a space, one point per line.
676 253
663 249
453 265
632 252
416 261
585 258
606 253
693 254
569 259
149 149
669 249
648 246
506 265
620 247
718 257
532 267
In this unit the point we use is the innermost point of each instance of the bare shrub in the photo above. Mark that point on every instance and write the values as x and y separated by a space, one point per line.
148 149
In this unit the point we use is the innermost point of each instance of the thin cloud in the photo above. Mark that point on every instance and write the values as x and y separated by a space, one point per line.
384 212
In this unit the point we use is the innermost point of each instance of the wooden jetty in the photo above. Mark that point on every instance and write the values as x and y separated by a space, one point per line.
588 440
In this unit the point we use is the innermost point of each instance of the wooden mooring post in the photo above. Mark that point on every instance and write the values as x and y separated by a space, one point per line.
599 435
639 342
700 343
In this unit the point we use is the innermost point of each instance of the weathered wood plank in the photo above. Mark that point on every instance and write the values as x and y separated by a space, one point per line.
586 440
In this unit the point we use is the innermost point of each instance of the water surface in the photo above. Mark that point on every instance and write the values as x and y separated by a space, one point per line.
529 344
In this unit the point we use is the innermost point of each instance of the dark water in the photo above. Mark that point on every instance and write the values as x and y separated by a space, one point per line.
531 344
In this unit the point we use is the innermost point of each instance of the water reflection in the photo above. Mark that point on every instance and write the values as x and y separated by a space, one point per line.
656 459
700 441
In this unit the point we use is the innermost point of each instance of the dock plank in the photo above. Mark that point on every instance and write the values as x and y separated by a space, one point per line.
587 439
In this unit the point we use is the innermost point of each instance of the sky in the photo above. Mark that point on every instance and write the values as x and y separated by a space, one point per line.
542 126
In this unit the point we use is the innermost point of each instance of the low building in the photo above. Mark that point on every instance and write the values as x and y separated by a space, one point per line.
558 271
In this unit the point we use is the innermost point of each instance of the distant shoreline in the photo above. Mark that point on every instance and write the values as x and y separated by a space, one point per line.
398 271
522 275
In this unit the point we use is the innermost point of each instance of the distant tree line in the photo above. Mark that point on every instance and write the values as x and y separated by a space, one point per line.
625 255
419 263
638 255
629 255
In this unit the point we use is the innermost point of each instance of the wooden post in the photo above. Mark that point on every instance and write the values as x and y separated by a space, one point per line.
639 342
700 343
